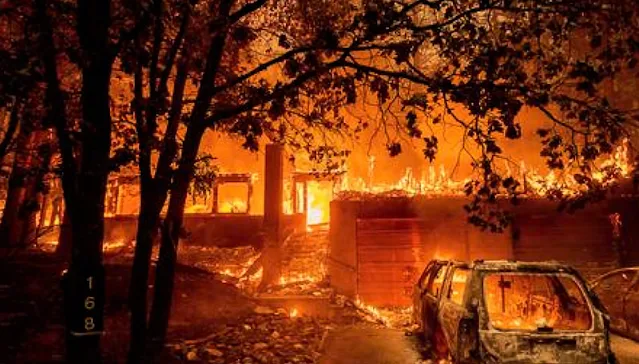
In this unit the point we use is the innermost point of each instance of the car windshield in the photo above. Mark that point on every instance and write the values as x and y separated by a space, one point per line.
536 302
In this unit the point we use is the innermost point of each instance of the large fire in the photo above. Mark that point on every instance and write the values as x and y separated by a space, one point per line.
319 198
315 196
437 182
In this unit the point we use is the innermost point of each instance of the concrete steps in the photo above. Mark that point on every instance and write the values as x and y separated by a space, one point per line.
305 253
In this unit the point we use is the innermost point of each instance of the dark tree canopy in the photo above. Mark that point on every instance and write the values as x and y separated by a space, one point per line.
474 65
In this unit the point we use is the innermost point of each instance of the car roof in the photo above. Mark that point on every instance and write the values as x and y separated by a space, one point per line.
541 267
513 265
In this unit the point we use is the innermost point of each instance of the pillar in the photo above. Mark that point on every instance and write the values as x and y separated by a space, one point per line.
215 198
273 190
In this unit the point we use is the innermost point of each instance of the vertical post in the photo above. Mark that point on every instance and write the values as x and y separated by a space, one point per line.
116 197
467 242
273 192
249 197
305 193
216 191
294 196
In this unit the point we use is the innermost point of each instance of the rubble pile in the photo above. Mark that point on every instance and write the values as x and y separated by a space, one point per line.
231 262
399 318
266 336
302 287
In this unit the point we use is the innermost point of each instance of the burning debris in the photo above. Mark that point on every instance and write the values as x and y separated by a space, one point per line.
395 317
266 336
300 286
233 265
113 247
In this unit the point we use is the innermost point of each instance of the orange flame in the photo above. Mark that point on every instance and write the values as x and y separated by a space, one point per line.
196 209
319 199
435 182
233 206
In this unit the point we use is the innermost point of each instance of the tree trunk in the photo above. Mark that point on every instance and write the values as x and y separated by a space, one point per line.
14 221
153 195
12 126
84 182
148 222
170 235
54 99
35 194
172 224
65 235
87 212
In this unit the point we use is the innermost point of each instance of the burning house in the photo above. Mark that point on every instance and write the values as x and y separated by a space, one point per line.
372 240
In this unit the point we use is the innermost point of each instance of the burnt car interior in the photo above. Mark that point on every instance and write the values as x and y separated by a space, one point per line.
458 285
536 302
438 281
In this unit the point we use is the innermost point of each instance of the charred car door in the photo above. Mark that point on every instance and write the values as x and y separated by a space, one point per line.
431 298
418 293
631 310
612 290
453 306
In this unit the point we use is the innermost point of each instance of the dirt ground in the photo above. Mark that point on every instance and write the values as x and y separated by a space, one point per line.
212 322
31 326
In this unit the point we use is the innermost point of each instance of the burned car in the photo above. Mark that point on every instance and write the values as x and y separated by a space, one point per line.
510 312
618 290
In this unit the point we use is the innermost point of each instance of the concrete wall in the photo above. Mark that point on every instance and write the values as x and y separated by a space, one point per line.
629 229
583 239
342 257
202 229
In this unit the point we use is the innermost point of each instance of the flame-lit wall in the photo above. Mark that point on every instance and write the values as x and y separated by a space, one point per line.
379 248
200 229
